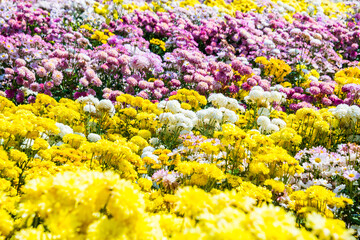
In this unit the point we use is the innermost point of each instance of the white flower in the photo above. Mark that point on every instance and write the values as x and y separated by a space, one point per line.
189 114
167 118
89 100
354 112
89 108
173 106
270 128
279 122
263 121
154 141
277 97
215 114
93 137
229 116
105 105
339 188
64 129
264 112
148 149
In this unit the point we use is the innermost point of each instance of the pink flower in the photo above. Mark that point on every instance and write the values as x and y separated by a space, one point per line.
90 74
143 84
159 175
170 180
57 77
314 90
252 82
188 78
326 101
41 72
202 87
143 94
157 94
175 83
102 55
113 61
35 87
20 62
131 81
30 76
9 71
21 71
91 92
106 90
106 95
48 85
104 67
49 66
125 70
84 82
158 83
96 81
140 62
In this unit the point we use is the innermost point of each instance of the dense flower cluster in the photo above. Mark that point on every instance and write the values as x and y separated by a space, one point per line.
179 119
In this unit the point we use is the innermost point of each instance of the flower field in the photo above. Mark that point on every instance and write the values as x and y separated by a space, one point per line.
179 119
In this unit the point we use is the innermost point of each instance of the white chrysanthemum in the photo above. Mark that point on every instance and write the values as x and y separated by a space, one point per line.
173 106
89 108
264 112
201 114
64 129
167 118
276 97
93 137
256 95
161 105
340 113
189 114
354 112
277 87
279 122
215 114
88 100
148 149
233 104
263 121
106 105
270 128
217 99
313 79
229 116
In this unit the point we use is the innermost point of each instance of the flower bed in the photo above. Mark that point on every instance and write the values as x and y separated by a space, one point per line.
179 120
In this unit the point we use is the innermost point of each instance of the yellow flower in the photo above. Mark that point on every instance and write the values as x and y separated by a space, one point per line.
145 184
40 144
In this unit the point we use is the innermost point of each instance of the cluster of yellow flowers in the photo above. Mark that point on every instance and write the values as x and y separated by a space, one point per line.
159 43
287 7
90 169
347 76
189 99
275 68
